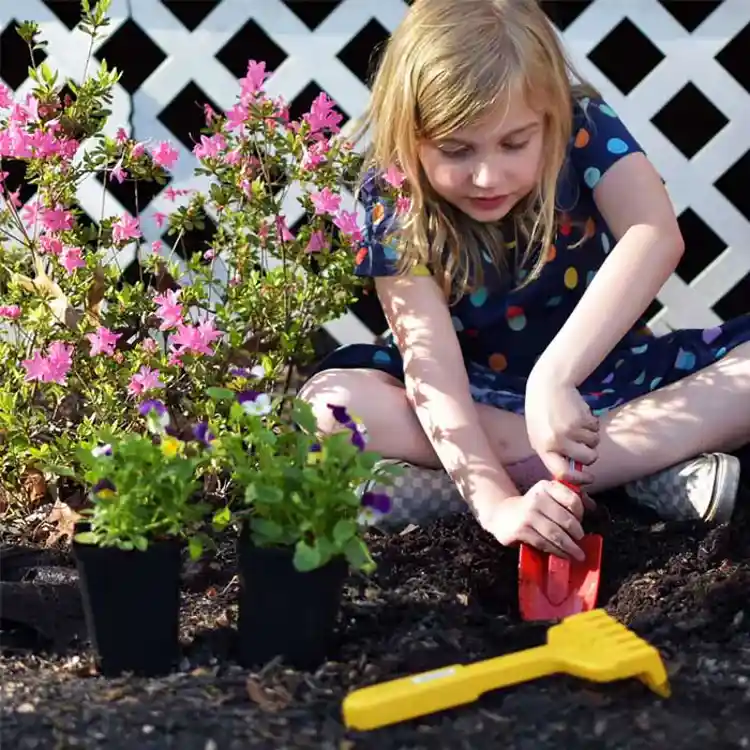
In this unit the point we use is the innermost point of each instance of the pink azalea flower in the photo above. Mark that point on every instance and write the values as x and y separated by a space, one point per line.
118 173
138 150
103 342
403 204
164 155
10 312
282 230
170 309
56 219
126 228
315 155
322 115
30 214
150 346
210 147
71 259
195 339
50 244
317 242
252 83
156 246
159 218
144 380
36 368
394 177
54 367
6 96
346 221
236 117
121 136
325 202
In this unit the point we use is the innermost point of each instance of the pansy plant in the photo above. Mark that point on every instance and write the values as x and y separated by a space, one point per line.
293 487
143 487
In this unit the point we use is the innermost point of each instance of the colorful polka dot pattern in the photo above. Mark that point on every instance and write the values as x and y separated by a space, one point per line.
503 328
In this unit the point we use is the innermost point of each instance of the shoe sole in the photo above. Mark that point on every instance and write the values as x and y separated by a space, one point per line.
725 490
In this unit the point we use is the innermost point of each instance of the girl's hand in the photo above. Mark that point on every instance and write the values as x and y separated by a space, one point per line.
548 517
561 430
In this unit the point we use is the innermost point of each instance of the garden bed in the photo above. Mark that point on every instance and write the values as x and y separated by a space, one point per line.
441 594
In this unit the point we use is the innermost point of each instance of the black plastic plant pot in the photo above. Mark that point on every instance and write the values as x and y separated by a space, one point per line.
285 613
131 602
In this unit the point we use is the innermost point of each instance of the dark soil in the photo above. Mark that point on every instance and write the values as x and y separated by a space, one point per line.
441 595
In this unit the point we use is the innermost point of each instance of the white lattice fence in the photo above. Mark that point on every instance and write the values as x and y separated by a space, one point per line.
679 84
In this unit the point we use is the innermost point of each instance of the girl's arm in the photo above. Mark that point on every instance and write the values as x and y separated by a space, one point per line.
437 387
638 211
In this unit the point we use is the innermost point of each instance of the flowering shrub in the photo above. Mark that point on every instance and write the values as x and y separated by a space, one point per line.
81 347
143 487
294 489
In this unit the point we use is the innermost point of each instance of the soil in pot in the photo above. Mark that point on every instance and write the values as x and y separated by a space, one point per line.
284 612
131 602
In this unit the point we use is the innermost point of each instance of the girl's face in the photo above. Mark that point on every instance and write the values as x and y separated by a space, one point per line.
487 168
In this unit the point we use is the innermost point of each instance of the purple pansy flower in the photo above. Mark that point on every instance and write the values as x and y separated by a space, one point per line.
202 433
157 416
374 506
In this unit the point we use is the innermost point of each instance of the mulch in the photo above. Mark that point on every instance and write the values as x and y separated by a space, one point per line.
441 595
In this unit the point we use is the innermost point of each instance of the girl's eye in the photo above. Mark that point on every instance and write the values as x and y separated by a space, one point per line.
454 154
516 146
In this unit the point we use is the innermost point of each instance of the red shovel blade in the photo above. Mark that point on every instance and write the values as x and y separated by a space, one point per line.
551 588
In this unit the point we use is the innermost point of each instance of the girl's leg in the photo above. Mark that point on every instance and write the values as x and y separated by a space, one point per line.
704 412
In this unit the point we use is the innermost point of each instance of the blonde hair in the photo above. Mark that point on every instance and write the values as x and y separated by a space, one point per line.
447 64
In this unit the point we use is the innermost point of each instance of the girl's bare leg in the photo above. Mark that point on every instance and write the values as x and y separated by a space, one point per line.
707 411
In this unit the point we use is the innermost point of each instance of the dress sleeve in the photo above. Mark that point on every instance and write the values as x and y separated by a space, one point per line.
379 251
600 139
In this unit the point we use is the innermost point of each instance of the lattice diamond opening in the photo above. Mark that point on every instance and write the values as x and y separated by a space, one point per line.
250 42
134 196
702 245
118 52
190 12
16 178
691 13
734 302
185 116
734 60
311 12
370 37
690 120
197 241
733 185
626 41
563 12
13 50
68 11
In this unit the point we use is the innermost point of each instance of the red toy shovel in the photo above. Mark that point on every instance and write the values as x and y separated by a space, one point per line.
551 588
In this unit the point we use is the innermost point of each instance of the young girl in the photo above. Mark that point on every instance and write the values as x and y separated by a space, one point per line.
530 236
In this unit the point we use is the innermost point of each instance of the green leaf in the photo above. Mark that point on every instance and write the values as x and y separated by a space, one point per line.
141 543
221 394
304 416
358 555
195 547
306 557
343 531
222 518
60 471
270 530
86 537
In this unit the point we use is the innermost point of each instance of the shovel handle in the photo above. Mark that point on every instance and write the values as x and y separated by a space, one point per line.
576 466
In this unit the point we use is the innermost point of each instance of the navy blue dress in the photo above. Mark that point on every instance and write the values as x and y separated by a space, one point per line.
503 330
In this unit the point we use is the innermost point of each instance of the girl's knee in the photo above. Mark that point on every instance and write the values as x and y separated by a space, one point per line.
349 388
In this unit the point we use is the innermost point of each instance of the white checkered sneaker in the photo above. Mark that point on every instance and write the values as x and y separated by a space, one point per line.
418 496
703 488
